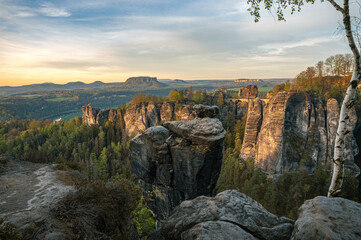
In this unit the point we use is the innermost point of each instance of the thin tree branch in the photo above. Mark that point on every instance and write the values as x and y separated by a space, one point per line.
338 7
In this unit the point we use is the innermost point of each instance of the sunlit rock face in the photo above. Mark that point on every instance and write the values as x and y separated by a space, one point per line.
90 114
254 123
297 131
179 160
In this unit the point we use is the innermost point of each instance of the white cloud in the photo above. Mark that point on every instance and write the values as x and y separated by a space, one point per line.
50 11
281 48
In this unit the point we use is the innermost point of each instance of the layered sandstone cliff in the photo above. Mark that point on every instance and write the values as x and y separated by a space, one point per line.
137 118
295 130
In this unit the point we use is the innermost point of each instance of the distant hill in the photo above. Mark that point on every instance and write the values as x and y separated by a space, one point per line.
142 83
178 81
43 87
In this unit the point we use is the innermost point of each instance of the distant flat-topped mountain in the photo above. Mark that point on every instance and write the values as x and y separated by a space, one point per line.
142 82
178 81
5 91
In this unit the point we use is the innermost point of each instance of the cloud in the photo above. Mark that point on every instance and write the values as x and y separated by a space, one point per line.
281 48
50 11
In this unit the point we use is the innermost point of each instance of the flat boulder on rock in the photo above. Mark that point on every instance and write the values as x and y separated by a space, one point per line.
203 111
328 218
217 230
230 212
205 131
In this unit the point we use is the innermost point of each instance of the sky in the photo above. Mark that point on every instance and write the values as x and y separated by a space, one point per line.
112 40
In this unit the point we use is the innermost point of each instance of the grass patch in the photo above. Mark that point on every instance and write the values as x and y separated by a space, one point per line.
29 96
234 89
265 89
61 99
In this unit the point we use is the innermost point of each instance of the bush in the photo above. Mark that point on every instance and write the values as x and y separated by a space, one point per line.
100 209
8 231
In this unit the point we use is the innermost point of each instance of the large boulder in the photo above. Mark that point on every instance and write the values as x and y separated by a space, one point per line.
328 218
203 131
228 215
178 161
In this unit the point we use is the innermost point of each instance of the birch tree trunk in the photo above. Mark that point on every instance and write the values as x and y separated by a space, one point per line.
347 104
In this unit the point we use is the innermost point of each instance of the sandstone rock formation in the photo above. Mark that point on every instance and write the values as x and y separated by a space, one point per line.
328 218
250 91
137 118
297 130
90 114
97 116
254 123
178 161
228 215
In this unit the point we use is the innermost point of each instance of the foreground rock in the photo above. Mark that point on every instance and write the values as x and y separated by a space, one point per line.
328 218
27 192
228 215
179 161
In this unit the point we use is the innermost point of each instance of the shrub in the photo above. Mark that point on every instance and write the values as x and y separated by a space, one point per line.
8 231
100 209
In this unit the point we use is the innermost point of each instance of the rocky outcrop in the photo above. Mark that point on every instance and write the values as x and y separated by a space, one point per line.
250 91
97 116
27 193
166 111
269 145
254 122
297 131
328 218
177 161
270 94
90 114
184 112
137 118
228 215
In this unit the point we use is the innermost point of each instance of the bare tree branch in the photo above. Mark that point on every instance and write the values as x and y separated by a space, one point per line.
338 7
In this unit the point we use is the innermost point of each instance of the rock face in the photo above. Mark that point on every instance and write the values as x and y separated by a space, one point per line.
228 215
137 118
250 91
294 130
27 193
328 218
90 114
254 120
180 160
97 116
